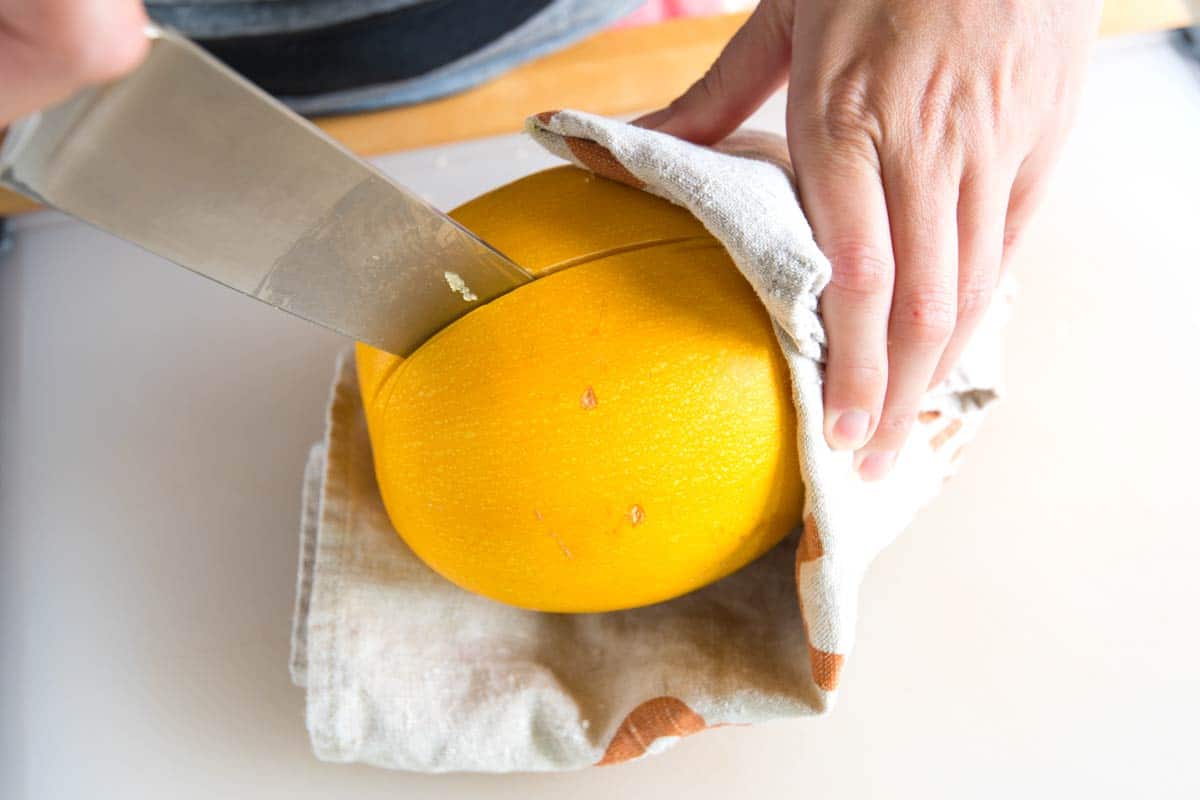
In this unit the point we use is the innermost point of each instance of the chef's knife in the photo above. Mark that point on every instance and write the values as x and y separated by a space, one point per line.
190 161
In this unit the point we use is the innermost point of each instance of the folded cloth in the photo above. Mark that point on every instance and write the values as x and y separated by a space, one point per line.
403 669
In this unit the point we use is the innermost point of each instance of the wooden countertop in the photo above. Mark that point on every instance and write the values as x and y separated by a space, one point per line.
614 72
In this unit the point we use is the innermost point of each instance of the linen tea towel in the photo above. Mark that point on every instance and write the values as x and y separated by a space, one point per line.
405 670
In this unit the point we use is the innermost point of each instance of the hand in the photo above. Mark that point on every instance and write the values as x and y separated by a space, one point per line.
50 48
921 132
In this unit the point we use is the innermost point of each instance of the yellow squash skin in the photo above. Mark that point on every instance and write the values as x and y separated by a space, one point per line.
616 433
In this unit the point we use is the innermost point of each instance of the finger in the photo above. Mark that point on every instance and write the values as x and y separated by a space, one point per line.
923 214
844 197
1028 191
53 47
751 67
982 210
1020 212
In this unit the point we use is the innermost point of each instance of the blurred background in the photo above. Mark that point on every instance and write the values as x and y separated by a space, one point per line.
1028 636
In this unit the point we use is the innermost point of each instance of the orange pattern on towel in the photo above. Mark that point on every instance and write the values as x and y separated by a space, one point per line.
653 719
597 158
826 667
810 542
946 434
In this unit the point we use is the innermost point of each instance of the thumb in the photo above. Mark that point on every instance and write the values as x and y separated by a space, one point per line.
751 67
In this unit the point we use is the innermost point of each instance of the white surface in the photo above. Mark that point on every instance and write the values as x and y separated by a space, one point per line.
1033 632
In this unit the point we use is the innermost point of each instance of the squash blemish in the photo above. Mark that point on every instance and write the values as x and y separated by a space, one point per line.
565 551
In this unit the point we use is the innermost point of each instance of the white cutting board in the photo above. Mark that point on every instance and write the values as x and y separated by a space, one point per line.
1033 631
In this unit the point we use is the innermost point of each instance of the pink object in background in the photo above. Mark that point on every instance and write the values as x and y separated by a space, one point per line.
659 10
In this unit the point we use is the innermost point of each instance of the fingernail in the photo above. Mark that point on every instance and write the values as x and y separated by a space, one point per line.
874 466
654 118
850 429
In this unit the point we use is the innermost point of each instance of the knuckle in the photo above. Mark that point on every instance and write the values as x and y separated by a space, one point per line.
1002 81
863 379
701 96
925 317
713 85
848 113
895 425
947 121
1012 234
860 270
779 17
973 301
939 103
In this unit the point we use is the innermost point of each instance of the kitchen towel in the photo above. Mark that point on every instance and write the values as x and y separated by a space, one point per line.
405 670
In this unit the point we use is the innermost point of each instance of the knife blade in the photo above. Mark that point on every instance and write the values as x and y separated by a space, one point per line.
188 160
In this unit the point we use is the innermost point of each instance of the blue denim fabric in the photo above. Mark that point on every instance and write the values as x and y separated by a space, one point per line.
209 19
381 49
555 26
562 23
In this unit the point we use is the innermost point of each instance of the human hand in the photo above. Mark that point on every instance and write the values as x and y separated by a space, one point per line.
50 48
922 133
